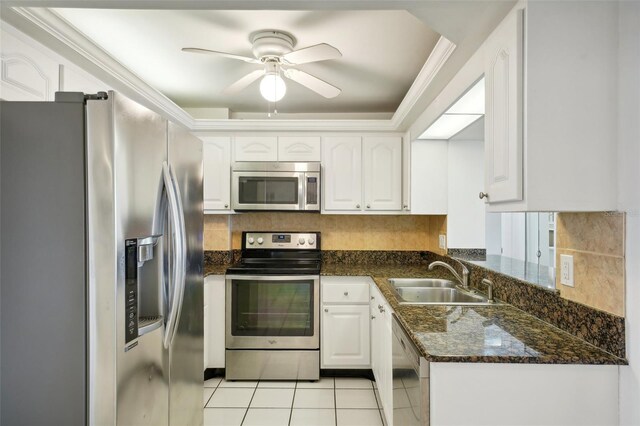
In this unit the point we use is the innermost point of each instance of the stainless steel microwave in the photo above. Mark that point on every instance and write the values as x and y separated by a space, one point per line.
275 186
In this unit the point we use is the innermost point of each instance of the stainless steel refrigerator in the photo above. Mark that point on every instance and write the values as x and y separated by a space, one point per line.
101 292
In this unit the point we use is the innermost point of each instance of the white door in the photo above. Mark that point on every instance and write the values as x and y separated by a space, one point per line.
382 163
299 148
342 172
345 336
217 172
503 112
255 148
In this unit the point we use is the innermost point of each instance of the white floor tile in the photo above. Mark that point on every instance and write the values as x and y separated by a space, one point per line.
314 398
313 417
239 384
359 418
206 394
405 416
355 398
400 398
272 398
276 384
212 383
267 417
323 383
353 383
231 397
223 416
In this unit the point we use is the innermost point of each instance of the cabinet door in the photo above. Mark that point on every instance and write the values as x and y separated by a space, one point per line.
406 172
28 73
345 336
217 172
382 163
214 327
503 111
255 148
299 148
342 172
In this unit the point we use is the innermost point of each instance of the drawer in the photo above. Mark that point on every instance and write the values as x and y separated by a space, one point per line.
342 291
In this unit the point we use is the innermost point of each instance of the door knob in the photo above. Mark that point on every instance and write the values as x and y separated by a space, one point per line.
483 195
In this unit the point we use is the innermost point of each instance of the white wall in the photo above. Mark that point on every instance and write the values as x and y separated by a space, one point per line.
466 212
629 200
429 177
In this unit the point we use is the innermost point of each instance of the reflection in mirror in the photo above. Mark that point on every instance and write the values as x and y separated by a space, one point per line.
522 245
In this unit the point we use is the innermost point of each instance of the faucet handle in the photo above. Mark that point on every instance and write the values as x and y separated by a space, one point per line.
489 285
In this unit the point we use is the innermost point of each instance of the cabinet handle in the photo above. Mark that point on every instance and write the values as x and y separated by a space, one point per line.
226 206
373 317
406 207
346 293
372 297
483 195
357 206
326 309
368 206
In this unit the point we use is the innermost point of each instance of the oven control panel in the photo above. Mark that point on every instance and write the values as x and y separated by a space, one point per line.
281 240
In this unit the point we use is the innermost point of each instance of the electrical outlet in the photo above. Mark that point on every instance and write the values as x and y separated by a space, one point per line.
566 270
443 241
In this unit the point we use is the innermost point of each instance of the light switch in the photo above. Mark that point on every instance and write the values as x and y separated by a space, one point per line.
566 270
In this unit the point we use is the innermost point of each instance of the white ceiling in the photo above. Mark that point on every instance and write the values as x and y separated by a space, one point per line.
383 51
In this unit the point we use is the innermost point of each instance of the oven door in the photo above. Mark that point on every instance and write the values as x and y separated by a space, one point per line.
268 190
272 312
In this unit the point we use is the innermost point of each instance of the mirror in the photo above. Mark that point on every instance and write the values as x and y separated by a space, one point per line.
522 245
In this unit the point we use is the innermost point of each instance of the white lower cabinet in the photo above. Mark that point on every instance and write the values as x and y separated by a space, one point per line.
381 350
214 321
345 326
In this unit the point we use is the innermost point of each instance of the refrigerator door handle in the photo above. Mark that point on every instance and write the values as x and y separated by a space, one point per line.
182 271
179 255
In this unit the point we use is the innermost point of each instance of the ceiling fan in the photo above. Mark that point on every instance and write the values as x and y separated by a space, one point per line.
274 50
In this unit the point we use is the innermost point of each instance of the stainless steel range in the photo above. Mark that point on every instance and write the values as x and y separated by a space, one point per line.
272 308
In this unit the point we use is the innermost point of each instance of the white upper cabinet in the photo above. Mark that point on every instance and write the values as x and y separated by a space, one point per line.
551 102
382 163
28 74
217 172
429 180
342 172
299 148
503 106
255 148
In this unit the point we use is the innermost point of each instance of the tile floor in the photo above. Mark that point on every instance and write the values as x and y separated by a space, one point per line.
338 401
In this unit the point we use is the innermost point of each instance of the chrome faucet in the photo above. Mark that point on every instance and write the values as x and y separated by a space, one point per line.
464 280
489 285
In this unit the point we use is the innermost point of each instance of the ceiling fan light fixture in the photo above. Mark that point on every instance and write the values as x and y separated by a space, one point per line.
272 87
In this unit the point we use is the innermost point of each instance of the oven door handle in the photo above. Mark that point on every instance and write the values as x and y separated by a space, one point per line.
272 277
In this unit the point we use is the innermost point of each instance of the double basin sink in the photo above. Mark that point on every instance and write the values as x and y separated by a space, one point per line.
433 291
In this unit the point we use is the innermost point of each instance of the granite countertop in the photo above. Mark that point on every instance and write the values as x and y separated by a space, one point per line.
215 268
498 334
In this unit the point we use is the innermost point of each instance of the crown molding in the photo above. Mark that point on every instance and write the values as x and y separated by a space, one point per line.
61 30
437 58
58 28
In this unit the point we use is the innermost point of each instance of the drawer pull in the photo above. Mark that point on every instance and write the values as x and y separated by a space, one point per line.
346 293
326 309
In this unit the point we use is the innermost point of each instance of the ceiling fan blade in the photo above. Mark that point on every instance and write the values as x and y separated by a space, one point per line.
243 82
313 83
222 54
319 52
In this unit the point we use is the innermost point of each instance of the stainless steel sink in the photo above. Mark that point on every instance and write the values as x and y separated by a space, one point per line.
421 282
431 291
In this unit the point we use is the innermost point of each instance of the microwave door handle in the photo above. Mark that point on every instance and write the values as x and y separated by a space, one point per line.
302 191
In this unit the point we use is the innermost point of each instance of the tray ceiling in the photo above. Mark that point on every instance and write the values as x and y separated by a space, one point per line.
383 52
